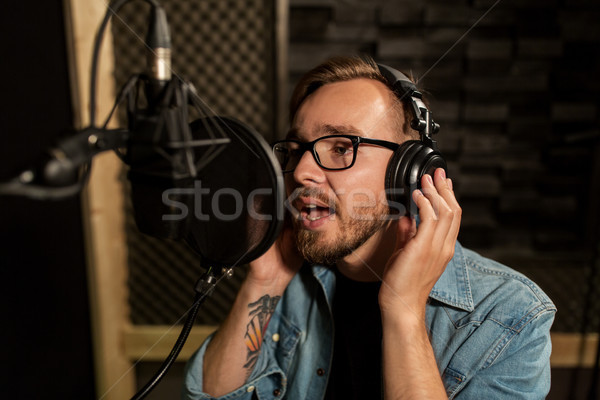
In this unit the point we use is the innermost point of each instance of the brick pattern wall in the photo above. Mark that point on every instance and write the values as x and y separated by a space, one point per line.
515 87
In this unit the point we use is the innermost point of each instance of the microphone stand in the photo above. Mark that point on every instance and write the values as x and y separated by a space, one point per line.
65 169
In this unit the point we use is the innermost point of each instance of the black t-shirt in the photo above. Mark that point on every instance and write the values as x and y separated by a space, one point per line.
356 367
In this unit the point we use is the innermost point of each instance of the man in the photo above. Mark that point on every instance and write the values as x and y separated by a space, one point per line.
353 303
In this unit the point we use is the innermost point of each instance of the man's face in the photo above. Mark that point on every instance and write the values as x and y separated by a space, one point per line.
340 211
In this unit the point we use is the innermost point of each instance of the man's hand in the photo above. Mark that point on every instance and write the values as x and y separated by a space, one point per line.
279 264
421 254
409 366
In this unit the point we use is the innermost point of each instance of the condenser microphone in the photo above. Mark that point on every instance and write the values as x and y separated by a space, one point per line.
158 42
213 182
158 151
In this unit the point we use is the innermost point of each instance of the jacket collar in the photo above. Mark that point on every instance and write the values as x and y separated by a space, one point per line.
454 287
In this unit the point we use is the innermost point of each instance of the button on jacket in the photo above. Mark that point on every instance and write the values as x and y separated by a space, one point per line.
489 329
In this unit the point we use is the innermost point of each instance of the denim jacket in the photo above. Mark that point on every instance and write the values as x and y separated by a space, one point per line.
489 329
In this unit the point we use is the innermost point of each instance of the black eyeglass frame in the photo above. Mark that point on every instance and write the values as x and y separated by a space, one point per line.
356 140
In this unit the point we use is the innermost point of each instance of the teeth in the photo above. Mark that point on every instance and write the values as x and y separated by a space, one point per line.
311 212
309 208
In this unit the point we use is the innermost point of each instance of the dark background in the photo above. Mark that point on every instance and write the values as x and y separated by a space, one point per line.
45 333
517 98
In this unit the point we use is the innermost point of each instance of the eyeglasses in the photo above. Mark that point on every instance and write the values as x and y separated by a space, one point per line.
333 152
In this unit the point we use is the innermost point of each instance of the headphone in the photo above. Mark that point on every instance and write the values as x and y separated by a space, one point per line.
414 158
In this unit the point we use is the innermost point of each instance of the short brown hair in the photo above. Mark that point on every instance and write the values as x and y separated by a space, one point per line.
345 68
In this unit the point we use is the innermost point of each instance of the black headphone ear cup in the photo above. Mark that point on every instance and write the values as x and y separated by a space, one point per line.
397 192
405 169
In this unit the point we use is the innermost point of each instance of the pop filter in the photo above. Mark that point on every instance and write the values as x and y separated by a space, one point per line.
235 192
238 196
213 183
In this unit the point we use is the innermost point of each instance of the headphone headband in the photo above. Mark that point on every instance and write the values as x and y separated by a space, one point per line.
413 158
399 82
407 92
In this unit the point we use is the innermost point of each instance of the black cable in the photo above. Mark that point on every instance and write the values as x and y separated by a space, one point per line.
113 8
187 327
204 288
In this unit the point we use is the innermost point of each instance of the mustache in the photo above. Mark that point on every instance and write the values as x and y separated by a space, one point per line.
316 193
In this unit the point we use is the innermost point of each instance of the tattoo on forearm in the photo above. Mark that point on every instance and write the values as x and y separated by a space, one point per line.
260 312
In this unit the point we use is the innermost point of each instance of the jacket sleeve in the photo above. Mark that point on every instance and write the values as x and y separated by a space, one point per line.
265 378
521 370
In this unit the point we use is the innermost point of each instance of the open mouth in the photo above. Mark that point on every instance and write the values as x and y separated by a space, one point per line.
314 212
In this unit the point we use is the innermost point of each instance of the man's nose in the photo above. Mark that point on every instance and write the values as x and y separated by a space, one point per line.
308 171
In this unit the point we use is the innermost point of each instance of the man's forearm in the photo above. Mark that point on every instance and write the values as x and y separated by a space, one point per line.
232 354
409 367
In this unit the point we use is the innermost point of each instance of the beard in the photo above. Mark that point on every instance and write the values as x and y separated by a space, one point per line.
352 232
